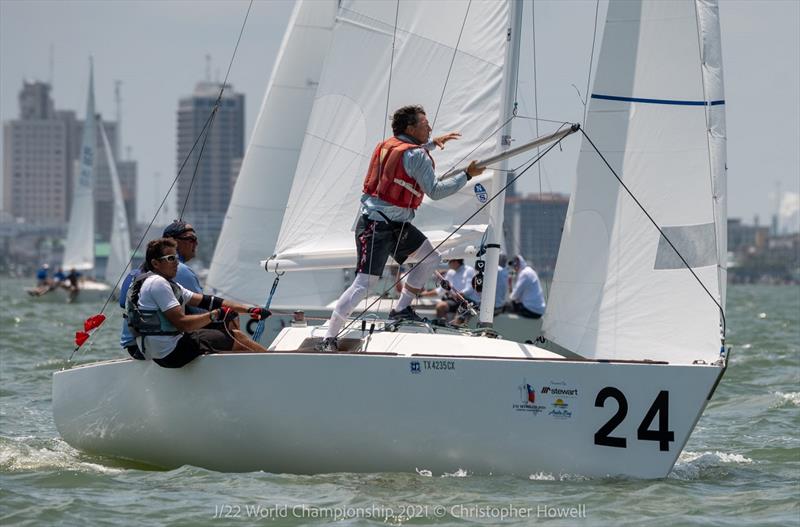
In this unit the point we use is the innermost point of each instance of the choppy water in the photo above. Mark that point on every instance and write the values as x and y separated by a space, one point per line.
740 467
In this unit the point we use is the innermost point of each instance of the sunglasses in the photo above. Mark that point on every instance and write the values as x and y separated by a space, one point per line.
190 239
168 258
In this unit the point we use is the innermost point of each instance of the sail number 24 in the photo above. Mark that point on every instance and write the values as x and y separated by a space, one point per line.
659 407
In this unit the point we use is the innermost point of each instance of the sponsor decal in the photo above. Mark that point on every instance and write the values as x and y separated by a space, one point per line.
480 193
560 409
559 389
418 366
527 399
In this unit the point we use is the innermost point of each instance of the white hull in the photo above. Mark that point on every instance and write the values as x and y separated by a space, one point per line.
90 291
305 412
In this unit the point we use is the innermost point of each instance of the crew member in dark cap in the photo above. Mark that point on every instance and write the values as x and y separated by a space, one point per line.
185 236
183 233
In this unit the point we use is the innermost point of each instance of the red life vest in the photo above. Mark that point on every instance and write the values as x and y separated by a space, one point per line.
387 178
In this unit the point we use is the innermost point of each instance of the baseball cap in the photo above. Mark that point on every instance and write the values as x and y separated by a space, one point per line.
176 228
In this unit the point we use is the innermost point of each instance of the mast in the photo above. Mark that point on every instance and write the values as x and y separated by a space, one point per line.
495 229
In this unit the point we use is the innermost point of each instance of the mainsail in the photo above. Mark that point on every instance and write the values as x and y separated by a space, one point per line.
657 115
262 188
120 251
79 247
385 55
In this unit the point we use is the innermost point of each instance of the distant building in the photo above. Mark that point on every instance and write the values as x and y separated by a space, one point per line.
37 168
746 238
210 192
534 228
40 158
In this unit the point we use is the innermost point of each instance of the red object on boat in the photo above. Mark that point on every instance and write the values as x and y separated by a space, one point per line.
94 322
80 338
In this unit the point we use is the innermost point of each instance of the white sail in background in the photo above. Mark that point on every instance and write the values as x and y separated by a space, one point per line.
425 63
656 114
262 188
120 246
79 247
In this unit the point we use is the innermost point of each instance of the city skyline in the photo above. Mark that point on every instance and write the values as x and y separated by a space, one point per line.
159 66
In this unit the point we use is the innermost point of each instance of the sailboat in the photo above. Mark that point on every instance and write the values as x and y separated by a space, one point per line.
636 347
79 251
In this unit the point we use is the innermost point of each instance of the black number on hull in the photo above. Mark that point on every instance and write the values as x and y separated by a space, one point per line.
663 435
601 437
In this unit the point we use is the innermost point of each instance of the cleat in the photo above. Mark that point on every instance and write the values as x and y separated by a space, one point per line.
329 345
405 314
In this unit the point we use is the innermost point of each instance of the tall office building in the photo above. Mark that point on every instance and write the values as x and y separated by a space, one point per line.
37 168
209 193
535 228
40 160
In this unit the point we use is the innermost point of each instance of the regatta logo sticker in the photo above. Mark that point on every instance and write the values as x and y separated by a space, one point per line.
480 193
527 400
415 367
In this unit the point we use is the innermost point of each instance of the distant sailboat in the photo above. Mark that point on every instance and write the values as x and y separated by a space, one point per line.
79 249
638 307
120 245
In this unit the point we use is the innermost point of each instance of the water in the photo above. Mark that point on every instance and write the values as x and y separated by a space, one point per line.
740 467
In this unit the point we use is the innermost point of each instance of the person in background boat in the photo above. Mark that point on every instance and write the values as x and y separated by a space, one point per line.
502 285
168 335
59 277
400 172
184 235
73 284
42 276
527 299
43 283
460 276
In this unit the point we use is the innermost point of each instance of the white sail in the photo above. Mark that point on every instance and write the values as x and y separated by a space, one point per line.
422 61
656 114
262 189
79 247
120 250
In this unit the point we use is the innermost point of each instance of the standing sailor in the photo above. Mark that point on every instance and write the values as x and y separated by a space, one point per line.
400 172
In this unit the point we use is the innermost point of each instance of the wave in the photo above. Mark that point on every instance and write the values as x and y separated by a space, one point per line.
27 454
697 465
787 399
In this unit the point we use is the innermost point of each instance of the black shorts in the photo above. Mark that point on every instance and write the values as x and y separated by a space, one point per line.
523 311
195 343
377 240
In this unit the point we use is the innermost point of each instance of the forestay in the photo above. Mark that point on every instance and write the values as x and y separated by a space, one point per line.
372 58
79 247
120 250
656 113
262 189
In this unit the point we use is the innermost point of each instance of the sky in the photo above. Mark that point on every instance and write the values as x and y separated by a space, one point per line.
158 50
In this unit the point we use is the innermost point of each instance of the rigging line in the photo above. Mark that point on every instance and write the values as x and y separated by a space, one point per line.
535 88
208 123
217 105
385 120
477 211
450 69
721 311
591 62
